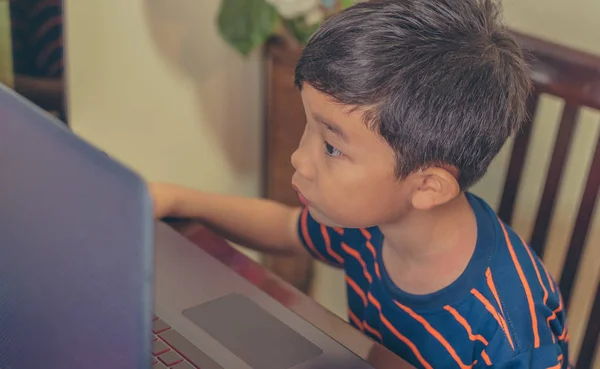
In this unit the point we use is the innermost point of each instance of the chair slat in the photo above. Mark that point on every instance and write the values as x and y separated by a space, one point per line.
590 338
553 178
581 229
574 77
517 163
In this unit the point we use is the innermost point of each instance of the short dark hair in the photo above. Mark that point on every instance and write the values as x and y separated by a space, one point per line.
442 81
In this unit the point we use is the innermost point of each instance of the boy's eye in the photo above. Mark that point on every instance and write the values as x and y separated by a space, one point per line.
331 151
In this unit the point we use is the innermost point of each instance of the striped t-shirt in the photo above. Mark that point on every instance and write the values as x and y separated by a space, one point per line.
504 311
37 37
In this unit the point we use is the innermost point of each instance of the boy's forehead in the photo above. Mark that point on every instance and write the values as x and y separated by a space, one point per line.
343 120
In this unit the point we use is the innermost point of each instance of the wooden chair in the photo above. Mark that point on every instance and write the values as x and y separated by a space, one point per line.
574 77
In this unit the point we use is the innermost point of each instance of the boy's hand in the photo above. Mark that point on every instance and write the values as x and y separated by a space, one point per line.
164 197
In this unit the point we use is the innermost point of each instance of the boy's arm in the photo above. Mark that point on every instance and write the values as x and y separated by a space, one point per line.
260 224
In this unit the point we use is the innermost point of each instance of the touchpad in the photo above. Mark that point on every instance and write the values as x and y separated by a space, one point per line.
251 333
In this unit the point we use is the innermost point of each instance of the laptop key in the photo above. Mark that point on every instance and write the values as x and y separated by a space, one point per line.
170 358
159 348
159 326
189 350
182 365
159 365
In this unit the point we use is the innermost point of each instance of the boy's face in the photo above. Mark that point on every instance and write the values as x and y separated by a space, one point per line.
345 172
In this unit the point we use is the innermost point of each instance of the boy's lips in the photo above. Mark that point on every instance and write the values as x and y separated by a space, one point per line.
301 197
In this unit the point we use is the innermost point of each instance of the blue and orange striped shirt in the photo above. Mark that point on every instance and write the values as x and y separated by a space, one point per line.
504 311
37 37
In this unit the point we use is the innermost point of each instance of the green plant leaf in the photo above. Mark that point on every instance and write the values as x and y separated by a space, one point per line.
246 24
347 3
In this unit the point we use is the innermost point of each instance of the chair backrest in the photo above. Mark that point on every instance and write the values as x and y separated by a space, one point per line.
574 77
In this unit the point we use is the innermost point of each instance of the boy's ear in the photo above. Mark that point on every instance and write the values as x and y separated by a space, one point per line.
435 186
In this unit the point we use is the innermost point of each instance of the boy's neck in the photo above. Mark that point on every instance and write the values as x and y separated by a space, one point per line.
427 251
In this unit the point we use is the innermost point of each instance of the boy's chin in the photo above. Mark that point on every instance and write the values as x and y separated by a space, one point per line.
322 218
327 221
337 222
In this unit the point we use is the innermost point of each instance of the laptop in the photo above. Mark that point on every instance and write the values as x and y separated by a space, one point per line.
89 280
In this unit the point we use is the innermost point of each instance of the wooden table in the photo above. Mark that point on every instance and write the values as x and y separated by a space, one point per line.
306 307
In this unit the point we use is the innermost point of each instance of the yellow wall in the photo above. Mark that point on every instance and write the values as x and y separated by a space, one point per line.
574 22
6 75
151 82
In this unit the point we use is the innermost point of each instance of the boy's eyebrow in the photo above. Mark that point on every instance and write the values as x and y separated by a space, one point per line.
332 127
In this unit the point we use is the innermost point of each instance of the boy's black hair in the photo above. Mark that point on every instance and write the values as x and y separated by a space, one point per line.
442 81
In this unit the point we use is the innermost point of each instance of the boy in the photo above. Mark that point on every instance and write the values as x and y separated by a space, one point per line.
407 102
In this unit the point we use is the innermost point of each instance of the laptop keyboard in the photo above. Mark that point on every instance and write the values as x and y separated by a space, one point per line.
171 350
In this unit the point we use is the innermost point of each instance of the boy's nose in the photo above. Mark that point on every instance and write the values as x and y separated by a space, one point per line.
300 162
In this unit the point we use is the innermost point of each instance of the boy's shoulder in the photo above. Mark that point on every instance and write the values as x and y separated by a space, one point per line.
518 290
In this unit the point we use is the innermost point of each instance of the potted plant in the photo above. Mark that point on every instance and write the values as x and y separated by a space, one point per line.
248 24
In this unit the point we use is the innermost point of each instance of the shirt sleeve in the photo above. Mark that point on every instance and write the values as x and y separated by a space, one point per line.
322 242
543 357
